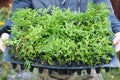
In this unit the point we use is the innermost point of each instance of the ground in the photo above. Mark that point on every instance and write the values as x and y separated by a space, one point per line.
8 73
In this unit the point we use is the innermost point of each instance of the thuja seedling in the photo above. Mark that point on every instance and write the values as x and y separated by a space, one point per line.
64 37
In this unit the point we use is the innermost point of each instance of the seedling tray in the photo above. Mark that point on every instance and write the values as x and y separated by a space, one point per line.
65 69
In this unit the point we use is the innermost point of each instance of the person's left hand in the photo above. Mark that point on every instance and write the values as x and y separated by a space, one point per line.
116 42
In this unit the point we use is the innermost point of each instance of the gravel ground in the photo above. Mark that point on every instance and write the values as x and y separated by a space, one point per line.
8 73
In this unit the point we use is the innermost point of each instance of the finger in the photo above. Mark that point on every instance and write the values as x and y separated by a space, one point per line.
1 46
116 40
4 36
117 47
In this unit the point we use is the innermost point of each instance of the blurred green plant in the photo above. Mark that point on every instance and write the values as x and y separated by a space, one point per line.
4 15
113 74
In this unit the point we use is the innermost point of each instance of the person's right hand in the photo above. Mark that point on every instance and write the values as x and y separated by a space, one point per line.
4 36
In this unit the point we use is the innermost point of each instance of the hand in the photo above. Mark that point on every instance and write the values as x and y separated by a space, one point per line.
116 42
4 36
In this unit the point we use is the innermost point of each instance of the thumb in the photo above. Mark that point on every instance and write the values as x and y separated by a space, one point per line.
117 38
4 36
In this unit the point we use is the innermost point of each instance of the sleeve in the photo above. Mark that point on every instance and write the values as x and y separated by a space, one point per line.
115 23
16 4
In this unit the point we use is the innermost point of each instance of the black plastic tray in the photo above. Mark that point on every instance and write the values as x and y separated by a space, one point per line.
114 63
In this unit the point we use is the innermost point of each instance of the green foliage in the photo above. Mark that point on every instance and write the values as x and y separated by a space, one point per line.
4 13
62 36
